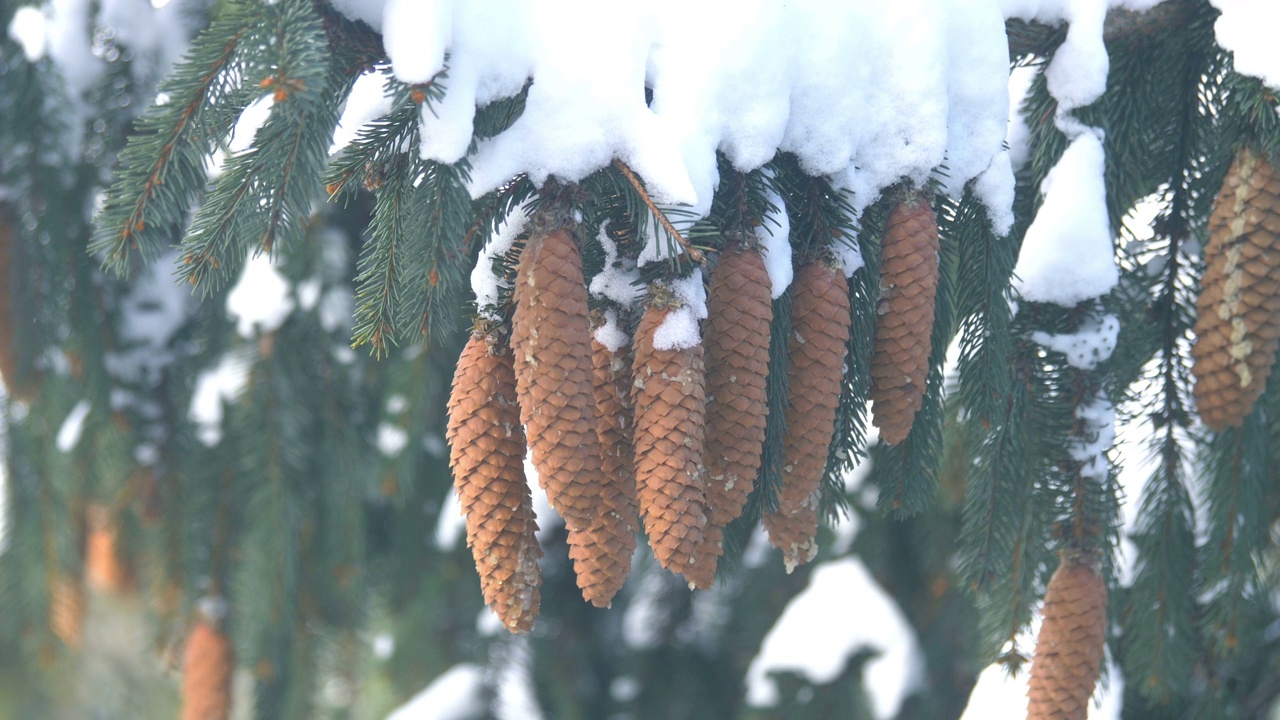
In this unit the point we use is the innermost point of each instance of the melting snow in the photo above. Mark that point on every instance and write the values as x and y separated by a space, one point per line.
260 301
72 427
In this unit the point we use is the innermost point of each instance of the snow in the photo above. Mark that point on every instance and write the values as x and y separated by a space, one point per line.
804 640
679 329
454 695
775 245
1099 419
70 36
1067 256
367 102
610 333
994 188
484 283
261 300
72 427
618 280
865 93
1092 343
415 33
29 28
514 698
392 439
977 73
1018 136
1246 28
450 523
222 383
154 309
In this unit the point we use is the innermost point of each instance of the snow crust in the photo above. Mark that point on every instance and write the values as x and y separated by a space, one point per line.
1247 28
679 330
804 640
775 245
1067 255
867 93
261 300
72 427
1091 344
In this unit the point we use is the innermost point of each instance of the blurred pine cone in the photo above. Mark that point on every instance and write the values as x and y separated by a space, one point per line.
908 285
1237 326
1069 649
206 673
551 338
486 453
819 336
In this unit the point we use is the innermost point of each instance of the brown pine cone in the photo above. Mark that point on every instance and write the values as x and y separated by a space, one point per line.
1069 649
551 337
602 553
8 354
207 665
816 351
486 453
102 567
908 285
739 310
669 398
1238 312
66 610
701 572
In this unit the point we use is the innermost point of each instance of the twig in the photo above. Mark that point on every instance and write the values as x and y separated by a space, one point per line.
692 251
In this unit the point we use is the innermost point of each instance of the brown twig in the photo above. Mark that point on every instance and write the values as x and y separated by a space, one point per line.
692 251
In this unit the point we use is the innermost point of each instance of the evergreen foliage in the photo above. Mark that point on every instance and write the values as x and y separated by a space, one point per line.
314 508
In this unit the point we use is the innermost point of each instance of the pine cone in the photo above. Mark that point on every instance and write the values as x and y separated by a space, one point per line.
819 335
602 553
8 354
66 610
206 674
1069 650
669 399
551 337
1238 312
739 310
908 285
102 567
486 453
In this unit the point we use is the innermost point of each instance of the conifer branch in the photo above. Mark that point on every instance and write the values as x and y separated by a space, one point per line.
693 252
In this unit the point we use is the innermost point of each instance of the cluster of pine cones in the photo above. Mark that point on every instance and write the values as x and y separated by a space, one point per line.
671 439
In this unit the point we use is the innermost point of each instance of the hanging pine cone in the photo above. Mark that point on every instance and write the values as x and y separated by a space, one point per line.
1069 649
816 351
8 354
908 285
602 553
66 610
206 673
669 399
1238 312
486 453
551 337
102 567
739 310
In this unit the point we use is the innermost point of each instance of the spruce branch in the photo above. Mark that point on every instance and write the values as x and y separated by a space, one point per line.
697 255
162 167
